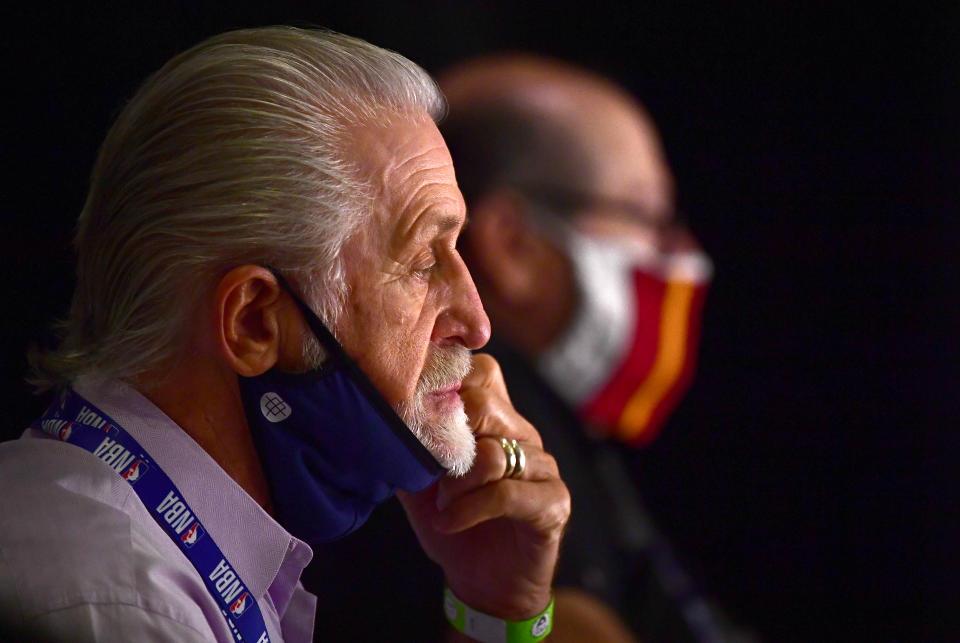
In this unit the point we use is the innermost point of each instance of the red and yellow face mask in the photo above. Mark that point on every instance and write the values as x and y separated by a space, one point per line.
630 351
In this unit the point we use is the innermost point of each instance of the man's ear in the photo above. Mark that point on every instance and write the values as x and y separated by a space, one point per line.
249 314
504 248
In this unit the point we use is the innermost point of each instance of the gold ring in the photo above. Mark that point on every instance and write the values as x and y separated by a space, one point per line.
521 460
511 455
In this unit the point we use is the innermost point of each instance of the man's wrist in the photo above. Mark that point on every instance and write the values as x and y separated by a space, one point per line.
492 629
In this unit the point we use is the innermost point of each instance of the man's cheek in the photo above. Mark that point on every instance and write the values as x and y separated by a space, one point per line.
403 305
398 330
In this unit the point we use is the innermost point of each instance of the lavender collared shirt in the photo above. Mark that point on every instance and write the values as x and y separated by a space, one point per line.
82 559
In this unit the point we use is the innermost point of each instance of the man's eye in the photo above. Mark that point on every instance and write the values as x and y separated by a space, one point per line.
425 268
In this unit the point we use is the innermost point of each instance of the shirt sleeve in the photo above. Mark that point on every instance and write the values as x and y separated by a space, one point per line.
112 622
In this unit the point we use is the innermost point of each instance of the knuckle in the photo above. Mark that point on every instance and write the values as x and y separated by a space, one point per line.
479 422
561 508
486 416
533 436
489 407
550 463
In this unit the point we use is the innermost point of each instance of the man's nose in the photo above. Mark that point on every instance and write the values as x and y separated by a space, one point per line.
462 320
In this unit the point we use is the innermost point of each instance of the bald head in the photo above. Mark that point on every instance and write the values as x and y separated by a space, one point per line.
539 145
531 120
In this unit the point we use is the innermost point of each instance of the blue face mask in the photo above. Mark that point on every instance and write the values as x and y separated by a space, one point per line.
331 446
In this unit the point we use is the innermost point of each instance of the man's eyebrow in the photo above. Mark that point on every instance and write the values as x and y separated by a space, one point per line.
449 222
436 226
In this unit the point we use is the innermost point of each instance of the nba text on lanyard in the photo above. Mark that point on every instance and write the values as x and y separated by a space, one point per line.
75 420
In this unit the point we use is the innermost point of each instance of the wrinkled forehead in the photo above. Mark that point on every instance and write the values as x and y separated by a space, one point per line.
408 169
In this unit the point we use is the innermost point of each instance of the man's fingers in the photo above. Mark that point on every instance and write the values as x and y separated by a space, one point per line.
544 505
488 406
489 466
538 497
486 373
492 416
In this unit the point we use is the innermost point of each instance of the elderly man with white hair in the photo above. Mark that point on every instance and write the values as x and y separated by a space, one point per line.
271 333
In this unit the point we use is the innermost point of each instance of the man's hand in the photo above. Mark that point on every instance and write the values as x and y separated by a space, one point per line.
496 538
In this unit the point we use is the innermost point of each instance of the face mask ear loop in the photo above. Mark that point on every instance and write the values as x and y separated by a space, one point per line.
320 330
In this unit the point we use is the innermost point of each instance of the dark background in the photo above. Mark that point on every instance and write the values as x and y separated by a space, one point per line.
808 478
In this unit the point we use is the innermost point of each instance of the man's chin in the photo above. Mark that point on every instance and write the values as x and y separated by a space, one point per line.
447 436
440 423
453 443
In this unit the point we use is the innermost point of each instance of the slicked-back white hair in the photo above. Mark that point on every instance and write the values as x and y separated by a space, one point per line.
236 151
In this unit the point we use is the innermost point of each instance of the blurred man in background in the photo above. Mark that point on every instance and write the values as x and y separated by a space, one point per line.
595 291
574 239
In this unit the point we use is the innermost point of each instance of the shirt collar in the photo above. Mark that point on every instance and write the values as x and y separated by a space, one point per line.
266 556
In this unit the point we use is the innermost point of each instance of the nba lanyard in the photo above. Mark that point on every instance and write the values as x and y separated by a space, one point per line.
74 419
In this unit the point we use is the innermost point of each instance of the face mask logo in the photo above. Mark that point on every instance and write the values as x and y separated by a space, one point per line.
273 407
331 446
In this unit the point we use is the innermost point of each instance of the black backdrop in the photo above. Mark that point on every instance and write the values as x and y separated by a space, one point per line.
808 477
